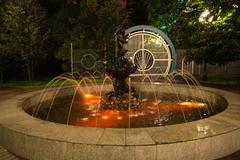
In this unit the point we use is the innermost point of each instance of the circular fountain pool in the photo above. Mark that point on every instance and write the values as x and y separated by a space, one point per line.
32 138
162 106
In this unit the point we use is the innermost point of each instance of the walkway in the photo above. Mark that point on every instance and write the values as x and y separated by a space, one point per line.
5 155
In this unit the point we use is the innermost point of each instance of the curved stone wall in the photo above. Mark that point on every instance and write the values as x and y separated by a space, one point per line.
35 139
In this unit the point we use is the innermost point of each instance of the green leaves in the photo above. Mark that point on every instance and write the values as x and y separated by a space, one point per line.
164 14
23 33
209 28
95 27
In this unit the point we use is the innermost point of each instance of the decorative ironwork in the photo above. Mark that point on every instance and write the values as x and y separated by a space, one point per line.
150 50
143 59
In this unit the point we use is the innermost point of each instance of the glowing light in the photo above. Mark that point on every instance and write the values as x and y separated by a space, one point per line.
93 97
119 118
157 41
104 117
88 95
145 99
192 104
205 16
91 100
210 19
205 13
156 102
235 6
133 115
200 19
152 112
203 129
85 119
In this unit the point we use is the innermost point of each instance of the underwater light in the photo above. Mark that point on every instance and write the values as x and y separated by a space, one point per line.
192 104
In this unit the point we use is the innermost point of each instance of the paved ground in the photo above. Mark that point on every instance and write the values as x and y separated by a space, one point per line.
8 92
232 88
5 155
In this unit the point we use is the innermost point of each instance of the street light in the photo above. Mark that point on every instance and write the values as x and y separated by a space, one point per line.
205 16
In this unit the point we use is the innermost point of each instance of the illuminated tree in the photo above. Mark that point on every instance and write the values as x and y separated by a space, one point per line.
211 28
164 14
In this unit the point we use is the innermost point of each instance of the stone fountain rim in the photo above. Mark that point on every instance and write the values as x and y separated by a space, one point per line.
120 136
36 139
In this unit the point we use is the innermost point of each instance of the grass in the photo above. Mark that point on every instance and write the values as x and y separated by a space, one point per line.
221 79
25 84
41 83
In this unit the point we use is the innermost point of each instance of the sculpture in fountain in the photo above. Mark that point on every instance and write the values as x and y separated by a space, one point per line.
119 67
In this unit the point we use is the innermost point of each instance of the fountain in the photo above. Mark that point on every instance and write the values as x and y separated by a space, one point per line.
91 102
129 113
109 101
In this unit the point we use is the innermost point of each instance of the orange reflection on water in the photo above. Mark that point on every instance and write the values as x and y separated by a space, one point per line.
192 104
106 118
91 114
85 119
90 99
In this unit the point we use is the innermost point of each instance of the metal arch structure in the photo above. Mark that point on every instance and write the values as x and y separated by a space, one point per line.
150 50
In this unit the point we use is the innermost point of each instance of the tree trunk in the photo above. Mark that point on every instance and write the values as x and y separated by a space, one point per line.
1 76
32 70
29 71
205 77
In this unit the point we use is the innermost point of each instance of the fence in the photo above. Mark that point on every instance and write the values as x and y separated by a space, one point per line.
232 69
86 60
89 60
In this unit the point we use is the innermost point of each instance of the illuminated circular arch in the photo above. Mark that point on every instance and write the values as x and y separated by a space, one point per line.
151 43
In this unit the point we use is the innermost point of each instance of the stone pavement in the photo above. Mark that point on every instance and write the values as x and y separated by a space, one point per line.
5 155
6 92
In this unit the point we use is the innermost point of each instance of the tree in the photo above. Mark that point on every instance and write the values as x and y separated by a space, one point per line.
94 28
24 35
164 14
60 16
209 28
138 12
212 29
2 60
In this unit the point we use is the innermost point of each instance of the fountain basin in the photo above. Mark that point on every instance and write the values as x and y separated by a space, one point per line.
171 105
35 139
